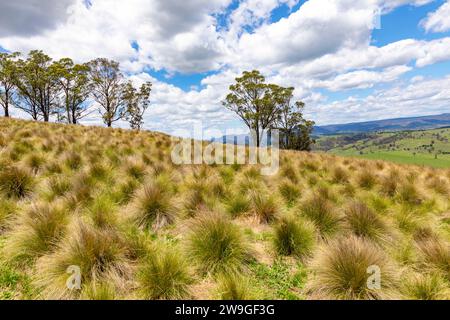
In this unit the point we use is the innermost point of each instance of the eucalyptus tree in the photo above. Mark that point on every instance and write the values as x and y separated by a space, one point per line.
136 103
295 129
253 101
107 85
7 85
38 85
75 89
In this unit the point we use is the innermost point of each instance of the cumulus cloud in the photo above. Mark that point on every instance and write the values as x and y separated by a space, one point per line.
30 17
438 21
312 49
422 96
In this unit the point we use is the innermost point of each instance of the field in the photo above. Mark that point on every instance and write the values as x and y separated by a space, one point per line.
93 213
428 148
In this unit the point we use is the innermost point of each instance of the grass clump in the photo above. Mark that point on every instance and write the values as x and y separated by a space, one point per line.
16 182
264 207
237 205
322 213
290 193
364 222
341 271
99 253
153 207
234 287
293 237
426 287
366 179
217 245
164 275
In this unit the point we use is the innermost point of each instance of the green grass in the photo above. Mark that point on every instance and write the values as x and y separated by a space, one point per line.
280 280
425 148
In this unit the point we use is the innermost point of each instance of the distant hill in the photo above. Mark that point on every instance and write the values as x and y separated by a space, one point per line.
399 124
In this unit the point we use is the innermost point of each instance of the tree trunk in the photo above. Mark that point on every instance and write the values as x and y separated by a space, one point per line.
6 108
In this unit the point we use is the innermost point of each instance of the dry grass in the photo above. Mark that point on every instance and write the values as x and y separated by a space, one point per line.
111 202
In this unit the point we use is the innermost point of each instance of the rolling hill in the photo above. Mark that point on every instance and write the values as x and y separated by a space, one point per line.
399 124
96 213
424 147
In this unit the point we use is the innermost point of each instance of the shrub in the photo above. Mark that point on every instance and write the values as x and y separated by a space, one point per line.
216 244
293 237
16 182
164 275
321 212
364 222
341 271
153 207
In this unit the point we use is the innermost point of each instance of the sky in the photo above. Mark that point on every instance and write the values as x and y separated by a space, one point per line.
349 60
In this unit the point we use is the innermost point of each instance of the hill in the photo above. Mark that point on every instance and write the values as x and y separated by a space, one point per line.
94 213
399 124
427 147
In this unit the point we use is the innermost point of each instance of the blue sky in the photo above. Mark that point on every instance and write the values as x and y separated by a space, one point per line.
342 65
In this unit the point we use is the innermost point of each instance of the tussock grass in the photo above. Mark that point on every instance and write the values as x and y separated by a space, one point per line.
290 192
364 222
322 213
435 254
294 237
341 271
163 274
99 253
217 245
36 231
340 176
237 205
264 207
16 182
111 202
426 287
234 287
366 179
153 207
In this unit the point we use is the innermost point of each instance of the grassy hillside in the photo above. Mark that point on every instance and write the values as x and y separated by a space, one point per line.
111 203
430 148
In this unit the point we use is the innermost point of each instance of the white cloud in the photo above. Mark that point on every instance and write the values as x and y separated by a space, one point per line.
438 21
311 49
29 17
411 99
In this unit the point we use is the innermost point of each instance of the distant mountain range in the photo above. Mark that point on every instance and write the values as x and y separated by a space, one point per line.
399 124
